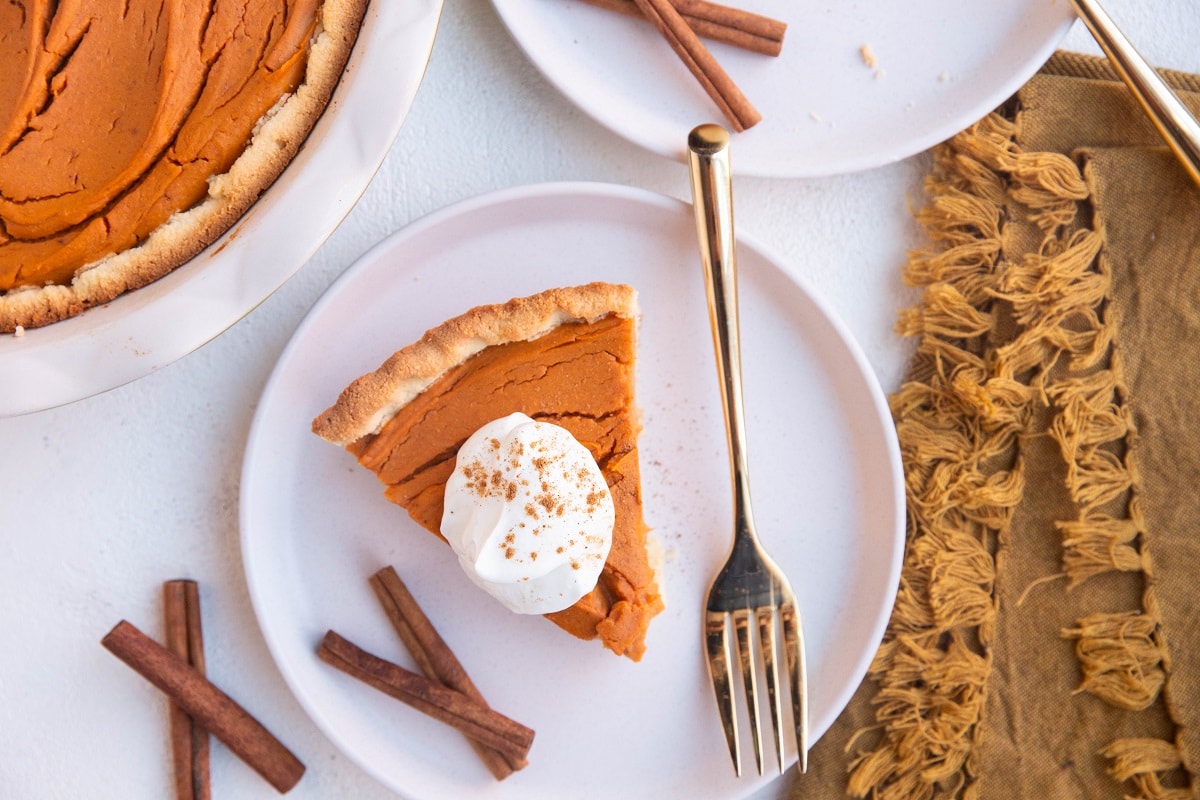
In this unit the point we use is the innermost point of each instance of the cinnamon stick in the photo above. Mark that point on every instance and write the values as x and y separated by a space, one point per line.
189 741
740 112
720 23
433 655
454 708
207 705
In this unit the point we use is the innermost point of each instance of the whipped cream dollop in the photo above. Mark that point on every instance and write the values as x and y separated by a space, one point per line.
529 514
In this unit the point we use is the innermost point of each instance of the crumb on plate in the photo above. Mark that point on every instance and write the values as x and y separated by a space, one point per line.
868 56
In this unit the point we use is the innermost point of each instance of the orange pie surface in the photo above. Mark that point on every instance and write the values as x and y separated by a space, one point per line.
121 125
565 356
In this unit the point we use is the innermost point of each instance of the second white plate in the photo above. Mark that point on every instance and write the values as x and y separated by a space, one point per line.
940 65
825 471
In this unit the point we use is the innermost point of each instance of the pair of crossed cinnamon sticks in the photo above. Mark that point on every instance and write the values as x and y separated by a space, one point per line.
198 707
445 692
682 22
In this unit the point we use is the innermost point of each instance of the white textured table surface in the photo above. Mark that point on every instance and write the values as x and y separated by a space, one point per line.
104 499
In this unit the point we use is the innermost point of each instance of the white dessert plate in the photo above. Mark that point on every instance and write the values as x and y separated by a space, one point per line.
825 470
147 329
939 65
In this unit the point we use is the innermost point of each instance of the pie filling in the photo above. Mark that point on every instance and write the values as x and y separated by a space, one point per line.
578 375
111 122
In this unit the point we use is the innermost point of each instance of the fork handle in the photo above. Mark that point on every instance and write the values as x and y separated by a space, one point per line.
1174 122
712 200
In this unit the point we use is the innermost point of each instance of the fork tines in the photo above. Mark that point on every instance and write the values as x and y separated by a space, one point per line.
720 663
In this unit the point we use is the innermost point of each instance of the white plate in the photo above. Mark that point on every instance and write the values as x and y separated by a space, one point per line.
826 477
944 64
147 329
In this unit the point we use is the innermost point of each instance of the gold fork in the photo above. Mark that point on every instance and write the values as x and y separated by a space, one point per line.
1170 116
749 587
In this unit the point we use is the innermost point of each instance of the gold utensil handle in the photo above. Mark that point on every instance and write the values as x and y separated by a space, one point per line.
712 198
1176 124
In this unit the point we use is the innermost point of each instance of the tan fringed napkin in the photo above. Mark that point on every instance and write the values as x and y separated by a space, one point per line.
1046 637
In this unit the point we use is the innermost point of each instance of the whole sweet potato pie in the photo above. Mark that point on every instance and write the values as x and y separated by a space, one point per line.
134 134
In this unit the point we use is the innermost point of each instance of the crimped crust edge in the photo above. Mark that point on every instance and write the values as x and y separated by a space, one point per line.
371 400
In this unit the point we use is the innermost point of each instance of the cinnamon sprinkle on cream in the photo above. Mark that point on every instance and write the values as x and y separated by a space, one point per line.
529 514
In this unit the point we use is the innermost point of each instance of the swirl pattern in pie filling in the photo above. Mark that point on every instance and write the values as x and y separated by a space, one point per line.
132 135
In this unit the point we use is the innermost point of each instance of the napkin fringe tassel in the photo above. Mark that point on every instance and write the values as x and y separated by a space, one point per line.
960 418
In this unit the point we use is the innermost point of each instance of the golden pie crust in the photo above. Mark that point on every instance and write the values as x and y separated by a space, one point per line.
154 202
564 356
